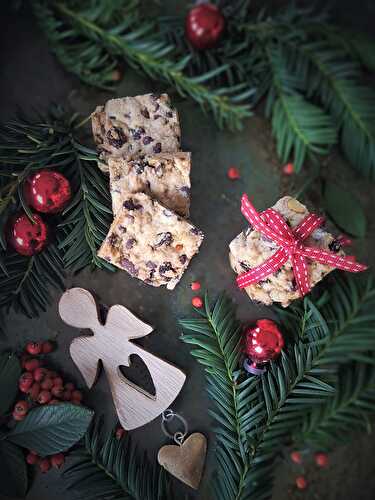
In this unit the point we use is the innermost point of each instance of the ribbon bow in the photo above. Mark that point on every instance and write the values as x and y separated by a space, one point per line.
271 224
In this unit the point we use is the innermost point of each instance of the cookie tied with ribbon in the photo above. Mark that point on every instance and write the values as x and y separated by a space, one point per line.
285 252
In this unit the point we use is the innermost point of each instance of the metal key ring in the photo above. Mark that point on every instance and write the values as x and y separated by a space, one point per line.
179 436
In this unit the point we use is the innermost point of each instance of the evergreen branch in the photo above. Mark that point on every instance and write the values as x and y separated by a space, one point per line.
336 82
108 468
87 219
26 281
141 47
300 127
50 141
217 338
350 409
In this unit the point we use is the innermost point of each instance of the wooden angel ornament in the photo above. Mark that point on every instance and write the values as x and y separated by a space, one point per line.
111 343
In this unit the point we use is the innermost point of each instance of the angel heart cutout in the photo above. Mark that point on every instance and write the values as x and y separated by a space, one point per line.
111 343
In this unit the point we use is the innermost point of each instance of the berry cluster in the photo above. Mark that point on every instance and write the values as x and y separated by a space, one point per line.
41 386
321 460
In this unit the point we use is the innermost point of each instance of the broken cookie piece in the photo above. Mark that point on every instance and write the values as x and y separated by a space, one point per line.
150 241
250 249
132 126
165 177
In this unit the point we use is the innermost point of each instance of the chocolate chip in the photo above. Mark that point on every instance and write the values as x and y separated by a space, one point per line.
127 115
182 258
165 267
245 266
157 147
122 229
185 190
156 117
137 133
335 246
117 177
196 231
112 239
119 141
262 282
151 265
129 266
139 166
147 140
145 113
130 243
169 114
164 239
130 205
294 285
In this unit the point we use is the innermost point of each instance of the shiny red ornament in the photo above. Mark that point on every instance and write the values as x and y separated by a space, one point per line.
27 237
264 342
47 191
204 26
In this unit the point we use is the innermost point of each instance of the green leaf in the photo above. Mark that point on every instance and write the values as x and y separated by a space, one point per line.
13 471
10 372
345 209
51 429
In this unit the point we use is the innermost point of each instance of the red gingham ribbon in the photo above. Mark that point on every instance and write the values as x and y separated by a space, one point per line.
271 224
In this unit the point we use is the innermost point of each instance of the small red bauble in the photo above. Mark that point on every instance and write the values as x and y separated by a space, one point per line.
47 191
57 460
296 457
264 342
321 459
197 302
301 483
27 237
47 347
204 26
195 286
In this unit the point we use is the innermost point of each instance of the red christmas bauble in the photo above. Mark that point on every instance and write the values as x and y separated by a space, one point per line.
47 191
27 237
264 342
204 26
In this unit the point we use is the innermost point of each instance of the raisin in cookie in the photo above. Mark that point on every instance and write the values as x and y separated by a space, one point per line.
150 241
165 177
250 249
132 126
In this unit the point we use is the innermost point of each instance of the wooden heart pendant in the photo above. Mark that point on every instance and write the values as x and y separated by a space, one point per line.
185 462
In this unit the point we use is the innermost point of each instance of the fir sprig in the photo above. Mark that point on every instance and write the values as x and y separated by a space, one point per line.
93 28
106 467
27 145
254 425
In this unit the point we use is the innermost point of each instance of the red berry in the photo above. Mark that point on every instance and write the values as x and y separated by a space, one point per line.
57 391
44 397
34 391
21 407
119 433
58 382
204 25
288 169
23 359
301 483
18 416
67 395
69 386
296 457
197 302
45 465
233 173
47 384
39 374
57 460
54 402
321 459
47 347
25 382
34 348
32 458
31 364
195 286
77 395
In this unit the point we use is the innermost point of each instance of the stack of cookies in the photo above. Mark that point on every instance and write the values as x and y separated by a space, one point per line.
139 143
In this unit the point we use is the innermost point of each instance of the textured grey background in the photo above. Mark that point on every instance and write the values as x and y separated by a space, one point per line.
32 78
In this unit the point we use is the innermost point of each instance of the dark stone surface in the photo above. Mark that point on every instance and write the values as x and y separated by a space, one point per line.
32 78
